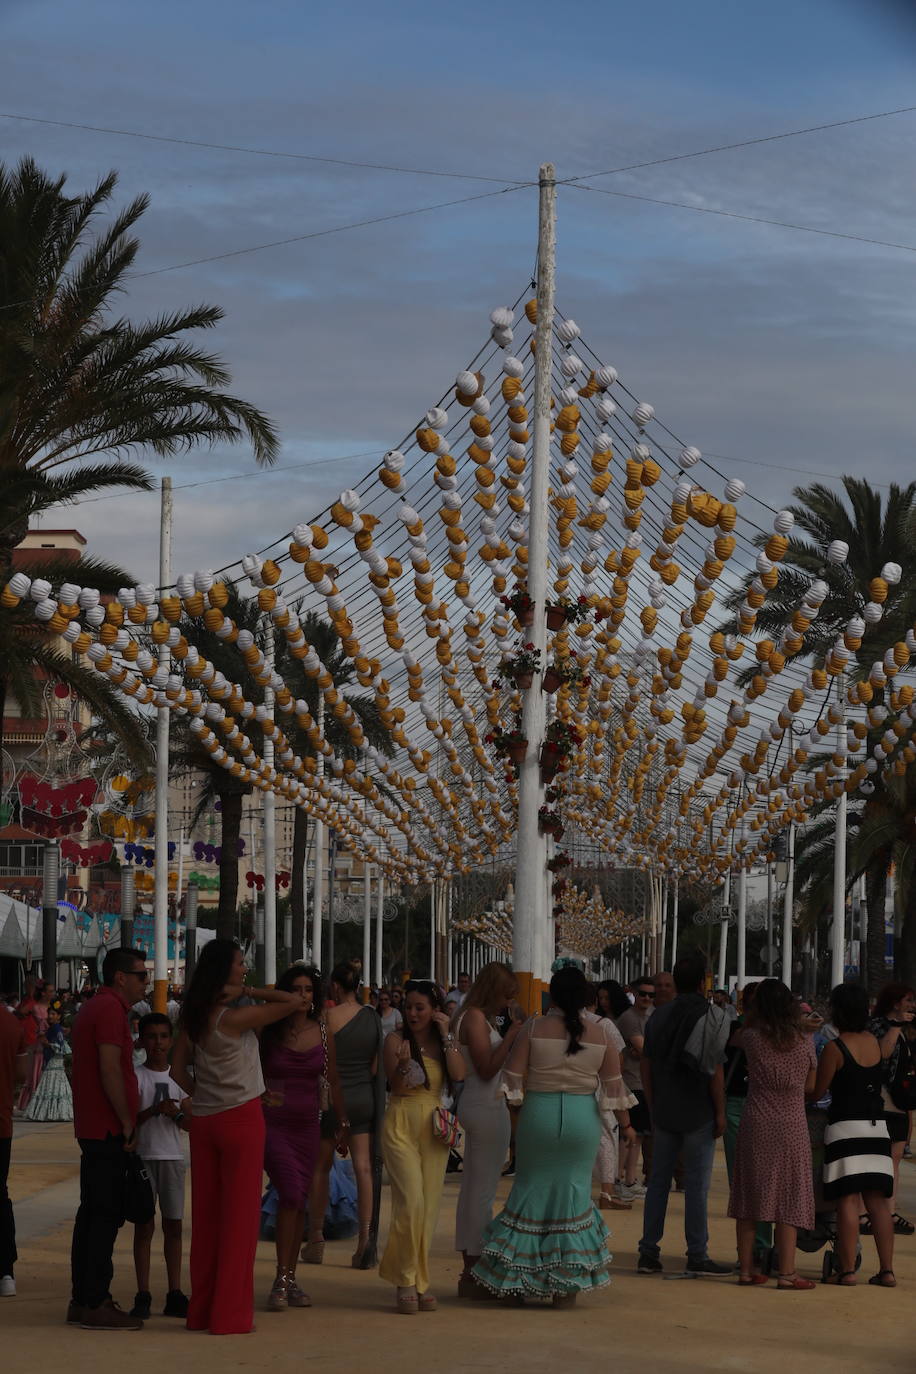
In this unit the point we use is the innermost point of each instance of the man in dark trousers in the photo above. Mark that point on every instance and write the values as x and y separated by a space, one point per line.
687 1107
13 1061
105 1104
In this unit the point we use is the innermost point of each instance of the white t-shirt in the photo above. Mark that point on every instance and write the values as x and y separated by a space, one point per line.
392 1020
142 1008
158 1138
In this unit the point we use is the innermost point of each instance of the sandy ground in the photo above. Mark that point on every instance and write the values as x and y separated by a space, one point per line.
659 1325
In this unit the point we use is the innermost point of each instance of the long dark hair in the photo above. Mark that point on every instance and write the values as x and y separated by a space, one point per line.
211 974
346 977
271 1034
433 992
775 1013
569 992
618 1001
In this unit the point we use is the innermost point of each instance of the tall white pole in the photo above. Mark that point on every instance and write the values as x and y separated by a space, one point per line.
788 907
837 950
161 861
367 928
531 882
269 817
723 932
742 922
318 885
379 923
674 923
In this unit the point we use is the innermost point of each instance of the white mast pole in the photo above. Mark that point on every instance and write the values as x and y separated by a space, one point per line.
531 882
161 861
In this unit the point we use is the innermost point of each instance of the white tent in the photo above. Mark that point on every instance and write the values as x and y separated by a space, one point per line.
20 933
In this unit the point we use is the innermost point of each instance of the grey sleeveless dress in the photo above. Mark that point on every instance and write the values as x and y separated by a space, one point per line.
357 1044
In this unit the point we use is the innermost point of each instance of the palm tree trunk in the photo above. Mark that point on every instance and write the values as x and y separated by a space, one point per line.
875 897
297 883
231 827
905 961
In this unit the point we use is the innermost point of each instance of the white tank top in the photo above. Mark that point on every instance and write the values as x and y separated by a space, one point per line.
479 1091
227 1070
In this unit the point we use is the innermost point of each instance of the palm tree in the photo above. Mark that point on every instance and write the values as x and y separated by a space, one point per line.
877 531
326 642
80 389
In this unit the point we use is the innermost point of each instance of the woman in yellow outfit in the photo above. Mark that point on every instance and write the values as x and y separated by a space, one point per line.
420 1060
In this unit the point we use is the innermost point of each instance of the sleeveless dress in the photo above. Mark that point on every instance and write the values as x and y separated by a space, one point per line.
773 1178
485 1121
356 1045
416 1162
857 1146
549 1238
291 1116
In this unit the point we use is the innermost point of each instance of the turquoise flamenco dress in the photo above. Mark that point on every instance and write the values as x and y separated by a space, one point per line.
550 1240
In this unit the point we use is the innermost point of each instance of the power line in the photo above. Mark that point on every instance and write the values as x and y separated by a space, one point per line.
261 152
235 476
749 219
744 143
785 467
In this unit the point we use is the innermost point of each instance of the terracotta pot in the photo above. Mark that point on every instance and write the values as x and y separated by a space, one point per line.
525 618
524 680
552 681
556 617
518 751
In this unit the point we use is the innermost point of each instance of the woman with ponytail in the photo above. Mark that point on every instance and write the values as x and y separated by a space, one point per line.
550 1241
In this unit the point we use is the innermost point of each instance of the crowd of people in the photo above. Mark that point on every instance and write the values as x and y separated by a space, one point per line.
626 1088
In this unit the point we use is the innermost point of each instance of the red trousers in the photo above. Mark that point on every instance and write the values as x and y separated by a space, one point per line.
227 1168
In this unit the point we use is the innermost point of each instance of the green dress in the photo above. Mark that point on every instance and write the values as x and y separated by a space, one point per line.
549 1239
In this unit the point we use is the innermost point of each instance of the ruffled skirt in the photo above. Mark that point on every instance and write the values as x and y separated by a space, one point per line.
549 1238
52 1099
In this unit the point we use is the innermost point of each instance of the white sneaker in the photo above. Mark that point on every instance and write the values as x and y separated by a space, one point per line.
632 1192
7 1286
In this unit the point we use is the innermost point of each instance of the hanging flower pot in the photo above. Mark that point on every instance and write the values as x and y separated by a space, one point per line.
525 618
524 680
517 751
556 617
552 680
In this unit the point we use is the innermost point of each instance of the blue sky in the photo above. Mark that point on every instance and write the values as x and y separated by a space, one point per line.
765 344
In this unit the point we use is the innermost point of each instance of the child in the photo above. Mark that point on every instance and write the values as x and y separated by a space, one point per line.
159 1145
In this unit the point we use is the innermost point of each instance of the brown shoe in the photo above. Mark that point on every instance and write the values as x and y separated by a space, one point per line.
109 1317
75 1314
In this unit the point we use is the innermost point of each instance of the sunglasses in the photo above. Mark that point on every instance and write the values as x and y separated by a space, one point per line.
138 973
642 993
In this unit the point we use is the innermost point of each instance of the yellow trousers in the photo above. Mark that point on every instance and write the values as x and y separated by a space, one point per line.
416 1162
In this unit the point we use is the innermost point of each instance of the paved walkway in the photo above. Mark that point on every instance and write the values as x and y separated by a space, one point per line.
688 1326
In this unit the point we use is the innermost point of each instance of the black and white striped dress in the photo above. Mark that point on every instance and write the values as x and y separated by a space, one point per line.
857 1147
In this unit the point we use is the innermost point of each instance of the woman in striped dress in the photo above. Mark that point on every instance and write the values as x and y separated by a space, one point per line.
857 1147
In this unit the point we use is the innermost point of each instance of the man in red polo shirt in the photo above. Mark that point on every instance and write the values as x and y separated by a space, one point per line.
105 1103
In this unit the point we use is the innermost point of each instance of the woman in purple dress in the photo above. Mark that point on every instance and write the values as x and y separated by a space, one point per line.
772 1178
295 1055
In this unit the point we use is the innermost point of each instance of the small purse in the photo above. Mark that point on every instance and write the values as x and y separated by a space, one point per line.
445 1127
324 1083
139 1200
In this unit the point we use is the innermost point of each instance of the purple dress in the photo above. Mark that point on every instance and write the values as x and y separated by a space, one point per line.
772 1179
292 1118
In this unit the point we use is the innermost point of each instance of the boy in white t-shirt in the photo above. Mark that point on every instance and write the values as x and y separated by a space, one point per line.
159 1125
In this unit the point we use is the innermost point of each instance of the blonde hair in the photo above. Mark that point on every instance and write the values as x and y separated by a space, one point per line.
487 988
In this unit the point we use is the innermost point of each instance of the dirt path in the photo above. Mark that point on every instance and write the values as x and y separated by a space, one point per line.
685 1326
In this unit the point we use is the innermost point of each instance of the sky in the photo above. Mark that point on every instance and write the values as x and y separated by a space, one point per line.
788 355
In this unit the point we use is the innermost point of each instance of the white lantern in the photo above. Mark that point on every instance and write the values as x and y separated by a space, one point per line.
837 551
567 331
643 414
734 489
688 457
783 522
512 367
605 376
892 572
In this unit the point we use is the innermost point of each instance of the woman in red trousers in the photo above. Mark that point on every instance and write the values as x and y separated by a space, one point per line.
219 1041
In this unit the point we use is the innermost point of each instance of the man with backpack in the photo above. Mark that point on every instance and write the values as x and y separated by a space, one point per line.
682 1078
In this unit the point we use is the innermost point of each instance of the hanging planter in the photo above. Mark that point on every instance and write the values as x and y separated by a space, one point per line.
522 666
562 613
558 863
550 822
556 618
517 751
521 606
552 680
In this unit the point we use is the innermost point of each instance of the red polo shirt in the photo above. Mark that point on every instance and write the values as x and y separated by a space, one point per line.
100 1021
12 1044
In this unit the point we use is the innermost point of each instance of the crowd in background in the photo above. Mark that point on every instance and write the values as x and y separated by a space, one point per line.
624 1088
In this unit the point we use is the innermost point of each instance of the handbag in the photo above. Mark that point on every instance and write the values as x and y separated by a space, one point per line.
139 1201
324 1083
445 1127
